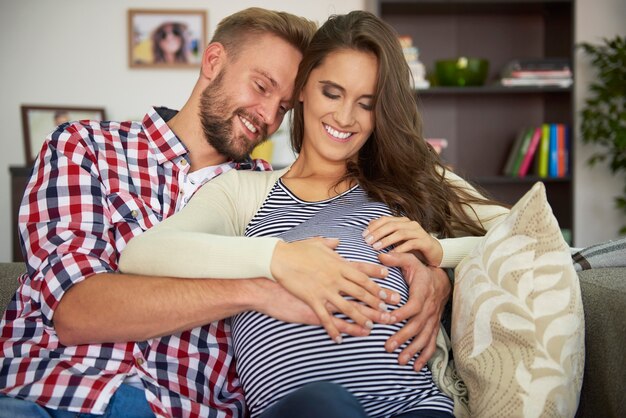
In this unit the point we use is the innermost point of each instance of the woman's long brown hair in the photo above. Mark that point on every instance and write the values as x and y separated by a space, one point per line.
396 165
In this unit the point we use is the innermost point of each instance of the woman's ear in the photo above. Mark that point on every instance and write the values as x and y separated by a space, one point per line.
213 60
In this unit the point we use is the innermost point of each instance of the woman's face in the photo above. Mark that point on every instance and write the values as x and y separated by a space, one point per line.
171 39
338 105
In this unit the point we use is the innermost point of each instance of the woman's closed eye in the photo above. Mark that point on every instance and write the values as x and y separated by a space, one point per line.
329 94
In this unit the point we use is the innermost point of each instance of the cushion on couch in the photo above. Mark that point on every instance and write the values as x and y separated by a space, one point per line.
517 318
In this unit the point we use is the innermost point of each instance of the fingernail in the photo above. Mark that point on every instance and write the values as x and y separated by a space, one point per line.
383 271
369 324
338 339
382 306
385 317
382 294
395 298
403 358
393 319
365 233
393 345
377 245
369 239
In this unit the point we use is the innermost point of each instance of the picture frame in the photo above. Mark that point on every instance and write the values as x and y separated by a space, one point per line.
38 121
152 33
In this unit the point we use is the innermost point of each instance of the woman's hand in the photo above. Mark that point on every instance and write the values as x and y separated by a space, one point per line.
406 235
313 272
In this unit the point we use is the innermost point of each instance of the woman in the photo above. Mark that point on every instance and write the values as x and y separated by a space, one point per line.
169 43
362 162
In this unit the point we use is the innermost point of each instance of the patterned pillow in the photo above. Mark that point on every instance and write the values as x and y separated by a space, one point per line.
517 321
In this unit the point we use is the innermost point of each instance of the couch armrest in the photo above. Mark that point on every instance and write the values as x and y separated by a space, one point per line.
604 301
9 272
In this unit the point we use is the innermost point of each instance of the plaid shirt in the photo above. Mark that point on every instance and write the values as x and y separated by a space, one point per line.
94 187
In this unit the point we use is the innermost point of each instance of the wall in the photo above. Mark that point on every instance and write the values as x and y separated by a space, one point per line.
55 55
596 218
73 52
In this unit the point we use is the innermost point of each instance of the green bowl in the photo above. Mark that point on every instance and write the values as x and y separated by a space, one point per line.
462 71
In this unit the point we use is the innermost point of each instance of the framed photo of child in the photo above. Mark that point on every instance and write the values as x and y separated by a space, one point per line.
39 121
166 38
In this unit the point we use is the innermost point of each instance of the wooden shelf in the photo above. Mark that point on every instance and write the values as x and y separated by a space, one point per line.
519 180
492 89
481 123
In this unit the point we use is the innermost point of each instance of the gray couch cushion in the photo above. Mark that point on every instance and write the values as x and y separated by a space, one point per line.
9 272
604 302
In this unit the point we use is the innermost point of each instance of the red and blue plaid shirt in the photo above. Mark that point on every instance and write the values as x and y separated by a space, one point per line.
96 185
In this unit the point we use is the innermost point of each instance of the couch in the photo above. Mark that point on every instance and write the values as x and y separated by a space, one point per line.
604 300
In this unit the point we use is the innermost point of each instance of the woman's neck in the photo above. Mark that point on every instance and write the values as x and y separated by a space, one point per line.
313 179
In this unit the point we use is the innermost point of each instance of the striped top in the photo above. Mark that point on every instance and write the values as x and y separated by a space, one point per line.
275 358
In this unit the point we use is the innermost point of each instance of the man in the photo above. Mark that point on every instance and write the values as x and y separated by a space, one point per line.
79 337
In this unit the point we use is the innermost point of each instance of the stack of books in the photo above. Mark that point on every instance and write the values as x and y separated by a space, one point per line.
541 72
418 70
542 151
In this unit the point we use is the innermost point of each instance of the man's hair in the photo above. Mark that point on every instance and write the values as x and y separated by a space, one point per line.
235 30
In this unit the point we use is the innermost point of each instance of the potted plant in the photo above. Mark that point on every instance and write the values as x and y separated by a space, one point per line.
604 114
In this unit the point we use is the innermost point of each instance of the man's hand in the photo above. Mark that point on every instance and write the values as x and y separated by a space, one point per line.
429 290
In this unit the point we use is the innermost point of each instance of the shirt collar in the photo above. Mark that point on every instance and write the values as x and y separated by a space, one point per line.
167 145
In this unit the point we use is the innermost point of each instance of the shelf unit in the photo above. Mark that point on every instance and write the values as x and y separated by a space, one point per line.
480 123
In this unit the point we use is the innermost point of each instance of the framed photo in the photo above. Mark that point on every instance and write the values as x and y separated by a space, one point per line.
39 121
166 38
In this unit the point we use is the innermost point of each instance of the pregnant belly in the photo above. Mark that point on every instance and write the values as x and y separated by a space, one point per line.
274 358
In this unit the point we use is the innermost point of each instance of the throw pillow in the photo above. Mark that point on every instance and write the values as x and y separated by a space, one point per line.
517 318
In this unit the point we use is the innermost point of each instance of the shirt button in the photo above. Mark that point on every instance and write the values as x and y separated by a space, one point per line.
139 361
183 162
134 213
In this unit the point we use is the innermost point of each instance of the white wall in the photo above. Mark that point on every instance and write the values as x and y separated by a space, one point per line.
596 218
73 52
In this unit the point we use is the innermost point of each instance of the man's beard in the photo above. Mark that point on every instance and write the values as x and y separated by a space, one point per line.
218 126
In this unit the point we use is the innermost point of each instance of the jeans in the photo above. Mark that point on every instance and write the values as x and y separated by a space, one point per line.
329 400
127 402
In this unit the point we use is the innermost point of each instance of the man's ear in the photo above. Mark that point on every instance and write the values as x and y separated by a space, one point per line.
213 60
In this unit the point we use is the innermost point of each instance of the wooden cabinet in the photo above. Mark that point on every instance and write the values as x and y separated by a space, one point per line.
480 123
19 178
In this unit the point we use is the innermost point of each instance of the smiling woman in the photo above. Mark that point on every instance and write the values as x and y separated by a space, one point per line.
338 107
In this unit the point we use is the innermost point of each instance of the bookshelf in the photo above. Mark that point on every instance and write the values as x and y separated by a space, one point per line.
481 123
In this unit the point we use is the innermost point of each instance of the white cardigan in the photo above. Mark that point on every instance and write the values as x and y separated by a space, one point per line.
205 239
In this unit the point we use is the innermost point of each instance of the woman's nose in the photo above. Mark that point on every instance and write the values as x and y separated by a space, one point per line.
344 115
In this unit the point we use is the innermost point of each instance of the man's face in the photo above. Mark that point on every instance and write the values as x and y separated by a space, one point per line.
247 100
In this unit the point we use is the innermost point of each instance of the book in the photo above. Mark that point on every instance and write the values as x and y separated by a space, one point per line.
544 149
528 134
553 154
513 152
537 82
532 74
560 150
530 153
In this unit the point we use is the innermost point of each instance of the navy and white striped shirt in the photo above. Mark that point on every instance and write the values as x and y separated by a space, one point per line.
275 358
